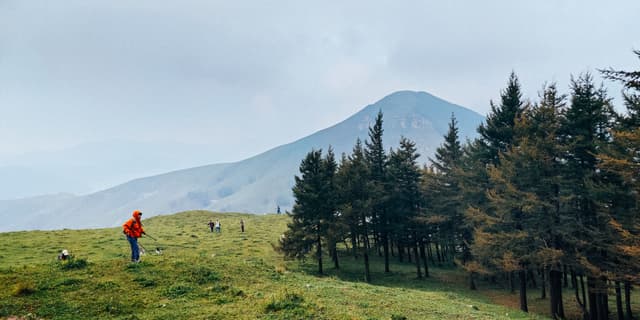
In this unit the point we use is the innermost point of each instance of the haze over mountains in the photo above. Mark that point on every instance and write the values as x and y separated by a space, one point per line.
95 166
256 185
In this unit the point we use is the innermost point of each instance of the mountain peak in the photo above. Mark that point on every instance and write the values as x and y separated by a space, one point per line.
407 101
258 184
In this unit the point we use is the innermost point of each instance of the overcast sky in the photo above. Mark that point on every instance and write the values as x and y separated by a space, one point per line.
247 76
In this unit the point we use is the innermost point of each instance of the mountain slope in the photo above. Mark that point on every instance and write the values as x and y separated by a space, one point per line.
255 185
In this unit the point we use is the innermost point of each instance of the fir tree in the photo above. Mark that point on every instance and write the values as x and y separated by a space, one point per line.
622 158
405 199
314 209
585 132
355 202
496 134
377 163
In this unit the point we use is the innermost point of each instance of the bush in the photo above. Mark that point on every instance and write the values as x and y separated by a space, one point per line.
203 275
288 301
23 289
73 263
177 291
398 317
145 282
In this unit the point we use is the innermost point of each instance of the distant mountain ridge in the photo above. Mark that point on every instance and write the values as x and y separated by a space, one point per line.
257 184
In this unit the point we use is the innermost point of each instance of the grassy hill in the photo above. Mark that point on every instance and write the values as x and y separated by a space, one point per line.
203 275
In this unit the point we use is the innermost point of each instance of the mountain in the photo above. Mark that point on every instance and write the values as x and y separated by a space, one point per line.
254 185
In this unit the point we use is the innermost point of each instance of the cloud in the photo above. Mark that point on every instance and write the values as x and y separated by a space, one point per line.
223 73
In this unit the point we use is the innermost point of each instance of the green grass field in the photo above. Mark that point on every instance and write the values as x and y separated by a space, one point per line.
231 275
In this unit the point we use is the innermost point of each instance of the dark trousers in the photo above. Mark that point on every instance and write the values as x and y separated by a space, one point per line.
135 251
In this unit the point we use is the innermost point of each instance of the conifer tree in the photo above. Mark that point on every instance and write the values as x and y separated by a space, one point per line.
519 229
623 159
585 132
354 187
496 134
333 229
377 163
314 209
445 210
405 199
448 154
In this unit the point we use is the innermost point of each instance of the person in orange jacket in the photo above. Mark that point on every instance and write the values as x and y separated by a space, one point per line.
133 230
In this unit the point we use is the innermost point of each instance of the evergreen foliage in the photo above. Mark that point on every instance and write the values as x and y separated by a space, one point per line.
549 191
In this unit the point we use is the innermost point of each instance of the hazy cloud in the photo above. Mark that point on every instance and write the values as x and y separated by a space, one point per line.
246 76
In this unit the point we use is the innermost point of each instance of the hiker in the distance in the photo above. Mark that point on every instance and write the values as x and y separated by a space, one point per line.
211 224
217 226
133 230
241 225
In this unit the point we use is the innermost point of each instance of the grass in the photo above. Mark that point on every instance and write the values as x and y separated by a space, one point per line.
230 275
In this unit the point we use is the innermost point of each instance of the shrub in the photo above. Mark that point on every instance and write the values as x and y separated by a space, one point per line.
23 289
203 275
288 301
74 263
70 282
177 291
398 317
145 282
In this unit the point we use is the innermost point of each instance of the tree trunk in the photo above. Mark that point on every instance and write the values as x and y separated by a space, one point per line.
565 282
438 253
385 245
619 301
598 298
531 277
603 305
627 299
416 255
430 252
543 283
512 281
576 290
585 314
593 304
354 243
523 290
400 252
423 255
336 264
472 282
365 251
319 254
555 293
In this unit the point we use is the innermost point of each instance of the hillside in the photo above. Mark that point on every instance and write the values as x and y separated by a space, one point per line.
202 275
255 185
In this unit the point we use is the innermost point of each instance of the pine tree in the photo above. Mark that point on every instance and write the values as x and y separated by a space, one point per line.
333 230
314 210
445 211
520 229
497 134
449 153
585 132
631 92
377 163
405 199
622 158
355 202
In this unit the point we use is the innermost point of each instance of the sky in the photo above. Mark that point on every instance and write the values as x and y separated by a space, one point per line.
242 77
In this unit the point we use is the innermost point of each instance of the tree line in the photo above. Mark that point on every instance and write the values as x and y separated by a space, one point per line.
546 197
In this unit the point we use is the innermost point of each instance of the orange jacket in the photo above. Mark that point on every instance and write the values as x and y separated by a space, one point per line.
133 226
